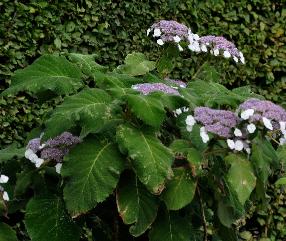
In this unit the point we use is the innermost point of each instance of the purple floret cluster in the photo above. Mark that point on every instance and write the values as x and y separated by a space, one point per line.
170 29
148 88
264 108
219 122
54 149
177 83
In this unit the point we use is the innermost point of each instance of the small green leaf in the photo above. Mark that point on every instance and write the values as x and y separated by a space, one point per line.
240 177
147 108
281 181
58 43
7 233
92 170
226 214
49 72
150 158
46 219
136 205
166 62
179 191
171 227
136 64
195 159
10 152
180 147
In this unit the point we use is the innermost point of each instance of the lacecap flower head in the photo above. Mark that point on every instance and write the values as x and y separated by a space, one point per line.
148 88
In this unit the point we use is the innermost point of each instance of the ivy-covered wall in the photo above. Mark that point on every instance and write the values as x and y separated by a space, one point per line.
112 29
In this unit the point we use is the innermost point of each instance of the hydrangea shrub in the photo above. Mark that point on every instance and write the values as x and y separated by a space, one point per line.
131 154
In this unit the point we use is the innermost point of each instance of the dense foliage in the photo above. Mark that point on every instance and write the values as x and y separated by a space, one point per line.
111 29
131 154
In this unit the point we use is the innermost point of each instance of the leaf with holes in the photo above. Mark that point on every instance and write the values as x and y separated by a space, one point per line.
150 158
179 191
92 170
136 205
46 219
49 72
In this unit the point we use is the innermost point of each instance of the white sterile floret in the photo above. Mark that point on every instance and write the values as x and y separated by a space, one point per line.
178 111
185 109
204 135
282 141
235 59
189 128
247 113
190 120
226 54
238 145
160 42
237 132
241 57
230 144
180 48
157 32
58 167
267 123
5 196
28 153
39 162
148 31
215 52
251 128
4 179
177 39
248 150
282 125
204 48
196 37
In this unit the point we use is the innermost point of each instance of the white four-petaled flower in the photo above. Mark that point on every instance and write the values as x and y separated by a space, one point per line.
251 128
247 113
267 123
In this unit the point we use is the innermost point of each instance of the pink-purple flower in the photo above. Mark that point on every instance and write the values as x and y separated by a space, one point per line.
148 88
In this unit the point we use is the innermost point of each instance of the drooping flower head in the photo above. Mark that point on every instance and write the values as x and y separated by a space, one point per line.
221 45
219 122
148 88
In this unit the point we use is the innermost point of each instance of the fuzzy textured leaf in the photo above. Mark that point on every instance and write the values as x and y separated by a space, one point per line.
241 177
136 205
92 170
91 109
147 108
46 219
180 190
49 72
150 158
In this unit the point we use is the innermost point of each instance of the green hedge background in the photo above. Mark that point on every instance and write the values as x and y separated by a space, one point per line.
112 29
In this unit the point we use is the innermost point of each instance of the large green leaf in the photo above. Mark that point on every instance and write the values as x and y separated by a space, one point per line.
147 108
49 72
241 177
136 64
166 62
7 233
46 219
136 205
171 227
91 109
92 170
150 158
10 152
180 190
86 62
264 158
